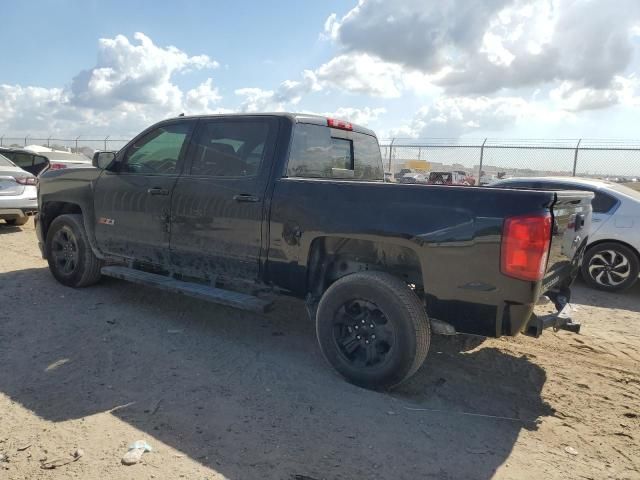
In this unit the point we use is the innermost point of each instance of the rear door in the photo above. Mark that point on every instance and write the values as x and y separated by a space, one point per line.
217 206
132 203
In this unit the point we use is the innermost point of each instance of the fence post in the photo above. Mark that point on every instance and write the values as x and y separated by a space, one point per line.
390 150
77 143
25 140
1 139
105 141
481 160
575 157
48 141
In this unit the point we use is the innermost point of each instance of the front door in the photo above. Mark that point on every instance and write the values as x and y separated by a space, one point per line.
217 206
132 201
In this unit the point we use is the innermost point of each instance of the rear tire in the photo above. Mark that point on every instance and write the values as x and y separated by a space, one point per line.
17 222
611 267
373 329
69 254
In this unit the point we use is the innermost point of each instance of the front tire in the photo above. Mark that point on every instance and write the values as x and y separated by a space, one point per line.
373 329
69 254
611 267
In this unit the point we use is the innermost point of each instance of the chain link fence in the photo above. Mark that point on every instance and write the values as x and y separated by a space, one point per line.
482 161
79 144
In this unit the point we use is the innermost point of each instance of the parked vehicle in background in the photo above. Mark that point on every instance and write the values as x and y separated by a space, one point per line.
18 193
413 178
230 208
403 171
456 177
32 162
612 259
59 160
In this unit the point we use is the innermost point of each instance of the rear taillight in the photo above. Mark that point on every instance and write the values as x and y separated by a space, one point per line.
341 124
26 180
525 246
57 166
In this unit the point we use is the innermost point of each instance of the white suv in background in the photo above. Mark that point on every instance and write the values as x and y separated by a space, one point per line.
18 193
612 259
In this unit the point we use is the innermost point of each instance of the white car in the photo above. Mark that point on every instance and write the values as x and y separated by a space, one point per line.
612 259
18 193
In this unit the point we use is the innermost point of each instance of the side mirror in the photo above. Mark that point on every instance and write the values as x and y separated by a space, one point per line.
103 159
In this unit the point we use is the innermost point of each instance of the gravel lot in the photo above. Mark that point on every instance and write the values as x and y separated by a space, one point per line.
220 393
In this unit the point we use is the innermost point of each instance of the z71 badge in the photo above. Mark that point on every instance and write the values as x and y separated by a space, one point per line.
106 221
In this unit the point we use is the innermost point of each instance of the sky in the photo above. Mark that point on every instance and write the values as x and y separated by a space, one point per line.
405 68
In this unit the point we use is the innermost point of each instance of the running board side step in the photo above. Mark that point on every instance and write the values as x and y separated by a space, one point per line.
203 292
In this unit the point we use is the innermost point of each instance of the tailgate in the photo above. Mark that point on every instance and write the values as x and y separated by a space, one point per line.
571 213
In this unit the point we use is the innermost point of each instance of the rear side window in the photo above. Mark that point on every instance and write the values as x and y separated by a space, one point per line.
322 152
224 148
23 159
603 203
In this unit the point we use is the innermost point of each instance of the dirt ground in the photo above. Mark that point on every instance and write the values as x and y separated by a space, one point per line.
219 393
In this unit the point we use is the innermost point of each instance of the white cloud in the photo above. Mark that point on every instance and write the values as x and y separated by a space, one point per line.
451 117
134 73
130 87
289 93
362 74
574 97
360 116
490 45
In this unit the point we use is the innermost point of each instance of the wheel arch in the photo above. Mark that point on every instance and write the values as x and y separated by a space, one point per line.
333 257
52 209
614 240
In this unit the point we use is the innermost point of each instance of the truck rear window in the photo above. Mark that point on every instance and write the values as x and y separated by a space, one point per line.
323 152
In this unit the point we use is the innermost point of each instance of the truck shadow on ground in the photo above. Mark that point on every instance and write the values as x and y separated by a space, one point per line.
250 396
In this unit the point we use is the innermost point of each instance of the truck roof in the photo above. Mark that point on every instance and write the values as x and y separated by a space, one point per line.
308 118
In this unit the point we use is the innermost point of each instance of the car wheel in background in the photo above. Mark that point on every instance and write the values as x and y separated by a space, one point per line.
373 329
71 260
16 222
611 267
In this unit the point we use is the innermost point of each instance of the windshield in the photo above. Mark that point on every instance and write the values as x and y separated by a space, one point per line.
5 162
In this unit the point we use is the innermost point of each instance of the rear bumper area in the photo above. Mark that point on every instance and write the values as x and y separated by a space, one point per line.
16 212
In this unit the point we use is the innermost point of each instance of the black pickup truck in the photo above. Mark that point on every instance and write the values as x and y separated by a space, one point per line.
238 209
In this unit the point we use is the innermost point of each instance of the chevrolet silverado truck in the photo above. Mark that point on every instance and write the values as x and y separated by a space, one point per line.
240 209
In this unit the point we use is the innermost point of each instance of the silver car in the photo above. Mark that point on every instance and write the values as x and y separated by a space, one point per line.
612 259
18 193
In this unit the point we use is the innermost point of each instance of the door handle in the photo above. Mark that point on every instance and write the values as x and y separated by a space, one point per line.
158 191
246 198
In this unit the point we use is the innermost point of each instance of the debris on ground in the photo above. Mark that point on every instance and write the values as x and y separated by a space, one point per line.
571 451
60 462
23 448
136 450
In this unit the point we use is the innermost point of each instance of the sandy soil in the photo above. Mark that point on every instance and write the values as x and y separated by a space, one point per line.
219 393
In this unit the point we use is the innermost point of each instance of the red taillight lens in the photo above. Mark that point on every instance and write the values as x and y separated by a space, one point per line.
341 124
525 246
57 166
26 180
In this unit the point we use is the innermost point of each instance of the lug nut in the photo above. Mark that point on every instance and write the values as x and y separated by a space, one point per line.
366 341
371 326
356 327
358 337
373 336
363 322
